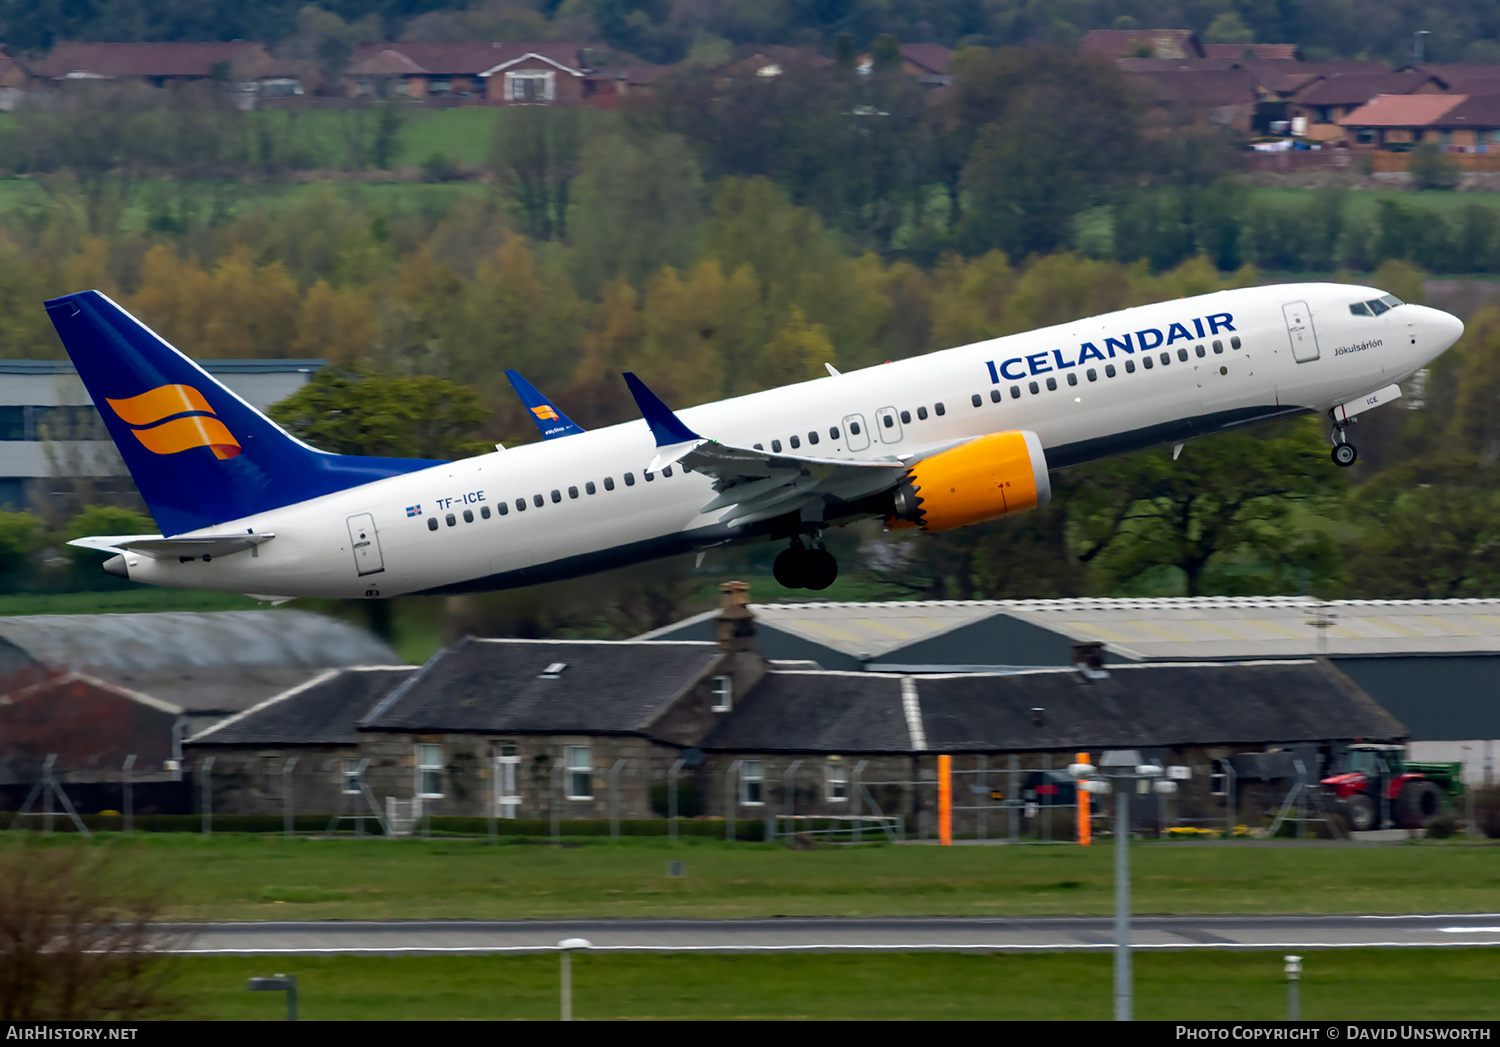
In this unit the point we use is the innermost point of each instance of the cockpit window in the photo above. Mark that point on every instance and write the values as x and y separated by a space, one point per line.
1391 300
1360 309
1376 306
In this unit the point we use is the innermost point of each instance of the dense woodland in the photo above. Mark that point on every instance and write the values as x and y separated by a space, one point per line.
671 30
723 238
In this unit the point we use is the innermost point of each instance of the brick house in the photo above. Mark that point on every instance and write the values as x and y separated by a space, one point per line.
1458 123
481 73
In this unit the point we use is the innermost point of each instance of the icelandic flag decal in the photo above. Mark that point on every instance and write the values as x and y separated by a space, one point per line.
413 510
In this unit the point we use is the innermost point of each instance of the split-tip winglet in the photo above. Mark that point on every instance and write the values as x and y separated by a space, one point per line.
665 426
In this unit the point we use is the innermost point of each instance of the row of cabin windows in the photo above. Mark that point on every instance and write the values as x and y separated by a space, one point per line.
503 508
1092 374
813 438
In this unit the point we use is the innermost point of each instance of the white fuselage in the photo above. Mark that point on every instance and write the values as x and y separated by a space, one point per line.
1343 357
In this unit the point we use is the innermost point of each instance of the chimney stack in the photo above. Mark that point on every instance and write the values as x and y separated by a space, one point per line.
734 628
1088 655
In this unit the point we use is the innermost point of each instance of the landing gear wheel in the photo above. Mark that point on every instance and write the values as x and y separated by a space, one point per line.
821 569
790 567
1344 455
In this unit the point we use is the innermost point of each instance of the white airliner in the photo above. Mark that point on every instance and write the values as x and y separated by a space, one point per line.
934 442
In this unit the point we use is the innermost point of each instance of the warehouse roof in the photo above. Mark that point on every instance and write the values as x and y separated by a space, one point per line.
593 686
1146 706
122 643
1193 628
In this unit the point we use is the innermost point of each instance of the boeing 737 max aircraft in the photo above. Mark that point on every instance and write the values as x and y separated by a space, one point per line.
934 442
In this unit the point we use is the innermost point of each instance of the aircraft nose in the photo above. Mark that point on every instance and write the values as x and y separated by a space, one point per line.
1442 329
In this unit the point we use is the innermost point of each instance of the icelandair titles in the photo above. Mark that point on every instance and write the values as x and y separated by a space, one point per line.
1018 367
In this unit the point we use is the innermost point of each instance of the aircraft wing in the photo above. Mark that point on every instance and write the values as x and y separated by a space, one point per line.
756 485
155 546
552 422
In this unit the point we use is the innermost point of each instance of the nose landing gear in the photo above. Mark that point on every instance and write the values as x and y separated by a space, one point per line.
1344 453
799 567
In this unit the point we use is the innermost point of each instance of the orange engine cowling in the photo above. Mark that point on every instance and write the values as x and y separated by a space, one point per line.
981 480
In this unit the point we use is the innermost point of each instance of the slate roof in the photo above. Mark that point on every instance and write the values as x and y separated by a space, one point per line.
604 687
1475 111
1135 706
323 711
1201 86
120 643
1359 88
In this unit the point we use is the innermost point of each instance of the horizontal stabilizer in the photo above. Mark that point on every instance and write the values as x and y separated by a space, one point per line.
157 547
549 420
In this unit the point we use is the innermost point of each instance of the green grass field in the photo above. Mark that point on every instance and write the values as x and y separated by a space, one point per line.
1365 984
249 877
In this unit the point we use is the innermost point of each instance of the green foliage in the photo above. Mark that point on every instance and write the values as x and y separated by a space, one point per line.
1430 168
535 157
21 535
369 413
85 564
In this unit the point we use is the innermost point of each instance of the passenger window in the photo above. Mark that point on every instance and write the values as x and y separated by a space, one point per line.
1218 347
1199 350
1052 384
572 492
1182 354
940 409
1072 378
450 520
906 418
520 505
1094 375
609 483
666 471
853 428
468 516
537 501
994 396
1034 388
760 447
1015 392
922 413
484 511
890 422
1234 343
630 479
812 437
589 487
796 443
648 474
1166 358
432 524
1130 366
503 508
1147 361
1109 370
775 446
833 432
556 495
976 400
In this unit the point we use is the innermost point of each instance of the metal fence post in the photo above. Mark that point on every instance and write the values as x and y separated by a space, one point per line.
858 799
208 796
1013 798
672 772
614 798
287 811
129 804
556 788
982 791
789 792
731 805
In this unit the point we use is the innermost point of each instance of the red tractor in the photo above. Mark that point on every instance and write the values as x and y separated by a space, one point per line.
1377 790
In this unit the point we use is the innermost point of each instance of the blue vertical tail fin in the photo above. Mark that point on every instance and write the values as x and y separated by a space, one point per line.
199 454
552 422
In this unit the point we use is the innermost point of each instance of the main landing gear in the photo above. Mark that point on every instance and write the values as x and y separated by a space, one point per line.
799 567
1344 452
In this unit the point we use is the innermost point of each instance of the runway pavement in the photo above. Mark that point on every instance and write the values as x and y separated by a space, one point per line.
418 937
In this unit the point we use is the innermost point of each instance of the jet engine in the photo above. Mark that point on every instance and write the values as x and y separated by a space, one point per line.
984 479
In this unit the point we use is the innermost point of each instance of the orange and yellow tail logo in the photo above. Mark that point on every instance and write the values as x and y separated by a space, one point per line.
545 412
179 434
